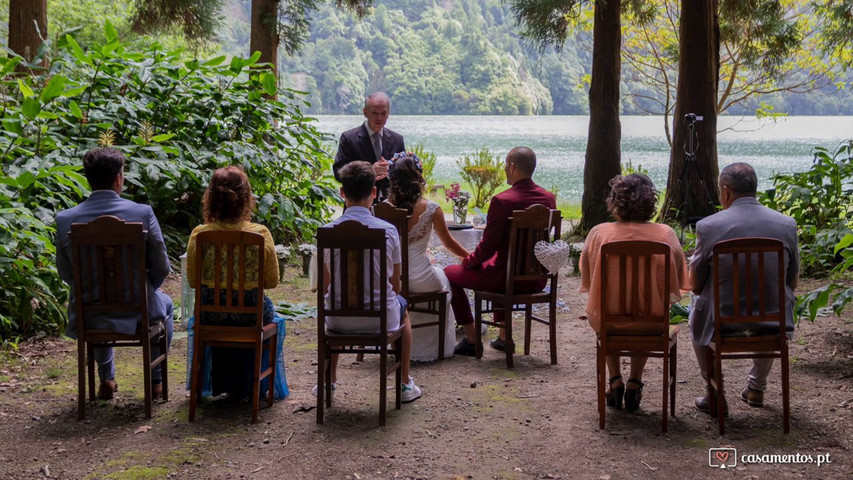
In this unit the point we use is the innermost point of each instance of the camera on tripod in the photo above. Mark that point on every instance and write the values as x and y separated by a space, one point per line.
692 117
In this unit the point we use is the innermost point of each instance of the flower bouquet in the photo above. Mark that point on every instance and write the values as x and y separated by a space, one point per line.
460 199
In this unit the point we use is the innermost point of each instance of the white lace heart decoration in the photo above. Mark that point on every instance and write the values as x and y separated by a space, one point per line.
552 256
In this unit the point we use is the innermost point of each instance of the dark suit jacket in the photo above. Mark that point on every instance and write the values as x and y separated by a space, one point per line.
355 145
107 202
492 251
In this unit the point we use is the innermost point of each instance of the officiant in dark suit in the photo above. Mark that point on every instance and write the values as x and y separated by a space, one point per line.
371 142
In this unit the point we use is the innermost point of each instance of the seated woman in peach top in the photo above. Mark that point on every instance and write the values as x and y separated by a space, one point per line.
632 202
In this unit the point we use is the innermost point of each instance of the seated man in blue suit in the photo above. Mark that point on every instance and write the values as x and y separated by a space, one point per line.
104 168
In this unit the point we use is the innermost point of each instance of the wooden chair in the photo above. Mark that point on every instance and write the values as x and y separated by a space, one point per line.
756 267
355 247
108 260
434 303
527 227
230 252
629 326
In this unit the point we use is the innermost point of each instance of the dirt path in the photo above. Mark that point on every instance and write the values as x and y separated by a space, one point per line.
476 419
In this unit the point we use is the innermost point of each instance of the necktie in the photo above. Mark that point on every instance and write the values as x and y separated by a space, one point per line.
377 145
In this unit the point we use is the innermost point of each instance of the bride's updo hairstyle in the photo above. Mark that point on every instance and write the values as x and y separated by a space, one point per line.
632 198
228 198
407 181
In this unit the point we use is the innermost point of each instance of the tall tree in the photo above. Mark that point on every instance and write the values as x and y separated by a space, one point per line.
264 32
692 184
273 22
27 27
548 23
766 47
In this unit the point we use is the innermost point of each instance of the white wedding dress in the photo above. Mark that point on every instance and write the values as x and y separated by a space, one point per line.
424 277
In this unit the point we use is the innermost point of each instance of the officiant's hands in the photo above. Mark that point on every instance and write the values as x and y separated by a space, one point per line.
380 168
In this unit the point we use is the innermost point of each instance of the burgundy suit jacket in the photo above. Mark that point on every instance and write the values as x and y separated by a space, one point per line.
492 251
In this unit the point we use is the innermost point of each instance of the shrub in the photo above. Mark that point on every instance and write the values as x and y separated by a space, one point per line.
176 121
428 161
485 173
821 202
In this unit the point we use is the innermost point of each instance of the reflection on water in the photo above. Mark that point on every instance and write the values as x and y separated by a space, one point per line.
560 142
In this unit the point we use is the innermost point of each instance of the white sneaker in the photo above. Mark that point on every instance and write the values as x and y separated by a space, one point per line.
314 390
411 392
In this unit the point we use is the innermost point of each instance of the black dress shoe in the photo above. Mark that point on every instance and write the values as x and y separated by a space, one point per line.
498 344
466 348
706 404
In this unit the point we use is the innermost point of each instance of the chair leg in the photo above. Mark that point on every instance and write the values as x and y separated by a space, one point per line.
90 367
510 343
599 387
478 325
383 385
552 328
721 391
164 366
528 313
256 380
442 325
665 389
195 374
146 374
673 372
321 377
273 363
786 398
81 378
398 387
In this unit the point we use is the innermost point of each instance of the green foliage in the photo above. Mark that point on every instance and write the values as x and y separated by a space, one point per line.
809 305
821 201
484 172
628 168
176 121
428 162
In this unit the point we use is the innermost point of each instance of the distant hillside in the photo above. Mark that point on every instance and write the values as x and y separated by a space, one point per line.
457 57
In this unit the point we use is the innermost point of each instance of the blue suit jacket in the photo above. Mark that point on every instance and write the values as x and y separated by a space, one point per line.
108 202
355 145
745 217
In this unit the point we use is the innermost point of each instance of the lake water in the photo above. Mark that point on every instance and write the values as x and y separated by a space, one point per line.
560 143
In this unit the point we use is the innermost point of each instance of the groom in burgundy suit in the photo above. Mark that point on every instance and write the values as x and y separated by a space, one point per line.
485 267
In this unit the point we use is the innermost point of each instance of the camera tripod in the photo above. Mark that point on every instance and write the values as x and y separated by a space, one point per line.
684 180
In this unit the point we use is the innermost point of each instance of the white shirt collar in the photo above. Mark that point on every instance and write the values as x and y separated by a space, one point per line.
370 132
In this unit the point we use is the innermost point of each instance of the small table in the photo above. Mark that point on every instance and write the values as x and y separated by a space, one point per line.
468 238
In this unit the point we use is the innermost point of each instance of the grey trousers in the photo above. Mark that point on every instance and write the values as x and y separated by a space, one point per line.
757 378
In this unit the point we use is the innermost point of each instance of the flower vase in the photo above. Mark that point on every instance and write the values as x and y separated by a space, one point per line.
460 212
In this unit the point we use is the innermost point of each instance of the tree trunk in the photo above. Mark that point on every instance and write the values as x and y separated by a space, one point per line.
691 189
24 37
603 150
264 36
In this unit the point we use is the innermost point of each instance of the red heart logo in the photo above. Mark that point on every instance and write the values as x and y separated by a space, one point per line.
722 456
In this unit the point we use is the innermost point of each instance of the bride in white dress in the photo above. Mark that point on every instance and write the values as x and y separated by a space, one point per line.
406 191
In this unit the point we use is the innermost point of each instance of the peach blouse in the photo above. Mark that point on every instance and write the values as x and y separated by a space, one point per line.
620 231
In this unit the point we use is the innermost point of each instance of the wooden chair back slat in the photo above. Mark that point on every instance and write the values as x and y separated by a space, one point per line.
755 268
228 254
634 290
353 248
527 227
108 260
632 273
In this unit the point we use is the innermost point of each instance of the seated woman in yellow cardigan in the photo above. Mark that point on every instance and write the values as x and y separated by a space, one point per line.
228 204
